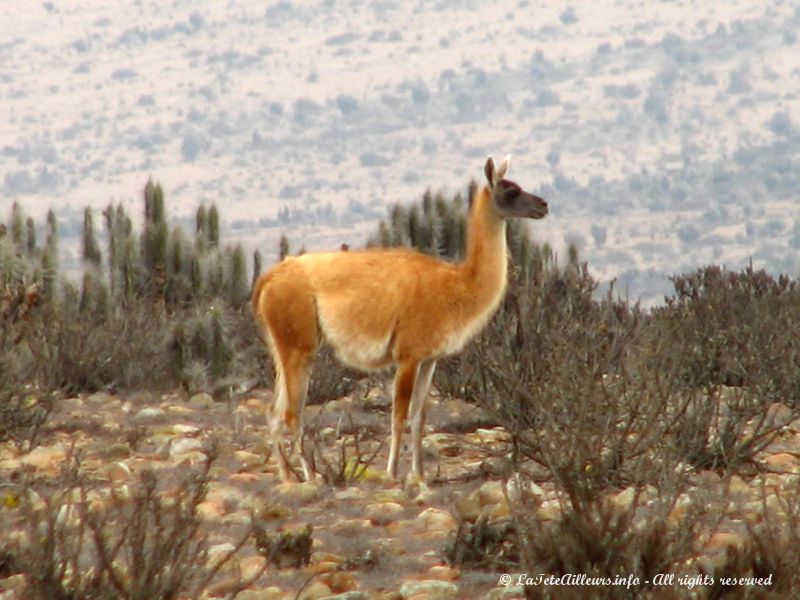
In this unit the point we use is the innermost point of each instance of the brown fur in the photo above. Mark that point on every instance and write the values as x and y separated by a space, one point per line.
378 308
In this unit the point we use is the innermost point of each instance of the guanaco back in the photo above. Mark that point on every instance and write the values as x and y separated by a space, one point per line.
385 307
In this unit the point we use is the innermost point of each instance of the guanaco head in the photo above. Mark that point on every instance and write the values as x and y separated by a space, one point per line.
508 198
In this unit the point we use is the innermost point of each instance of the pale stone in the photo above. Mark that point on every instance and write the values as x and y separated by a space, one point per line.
179 409
430 450
227 495
10 464
707 479
189 459
315 591
219 552
328 435
521 490
150 412
426 496
322 567
251 566
444 573
184 445
384 512
116 451
31 498
249 459
492 436
255 403
250 477
352 526
738 486
782 462
511 592
779 414
549 511
185 430
350 494
13 587
100 398
347 596
120 494
240 517
715 562
210 511
678 512
623 501
391 495
118 471
724 541
202 400
435 589
468 506
403 528
491 492
501 510
321 556
298 493
272 592
436 519
45 457
68 515
111 427
339 581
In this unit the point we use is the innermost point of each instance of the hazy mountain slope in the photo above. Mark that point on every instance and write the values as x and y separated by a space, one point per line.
664 134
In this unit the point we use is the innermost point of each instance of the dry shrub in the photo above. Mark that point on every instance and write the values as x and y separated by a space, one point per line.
484 544
600 388
149 545
23 415
774 547
630 541
72 351
563 378
351 462
285 548
731 338
735 329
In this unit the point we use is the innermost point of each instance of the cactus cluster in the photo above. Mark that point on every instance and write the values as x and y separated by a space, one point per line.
193 289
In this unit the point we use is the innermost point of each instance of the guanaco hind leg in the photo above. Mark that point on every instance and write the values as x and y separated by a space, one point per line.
404 379
286 419
290 319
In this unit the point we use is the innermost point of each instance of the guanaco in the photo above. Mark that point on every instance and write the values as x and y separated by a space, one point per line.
379 308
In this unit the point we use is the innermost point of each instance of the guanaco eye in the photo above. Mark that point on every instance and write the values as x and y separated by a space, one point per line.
512 193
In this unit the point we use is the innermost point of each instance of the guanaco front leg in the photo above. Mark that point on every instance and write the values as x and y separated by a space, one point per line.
418 406
411 383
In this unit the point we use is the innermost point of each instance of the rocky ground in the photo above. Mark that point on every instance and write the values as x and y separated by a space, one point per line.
370 538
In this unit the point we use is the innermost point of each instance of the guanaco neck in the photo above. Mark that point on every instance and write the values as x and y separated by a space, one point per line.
485 266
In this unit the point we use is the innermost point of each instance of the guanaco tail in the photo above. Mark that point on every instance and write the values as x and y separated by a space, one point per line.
378 308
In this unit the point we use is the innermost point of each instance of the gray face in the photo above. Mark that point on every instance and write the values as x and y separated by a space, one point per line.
510 200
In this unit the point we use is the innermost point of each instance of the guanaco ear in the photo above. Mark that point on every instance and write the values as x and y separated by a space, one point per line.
503 168
493 175
488 170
